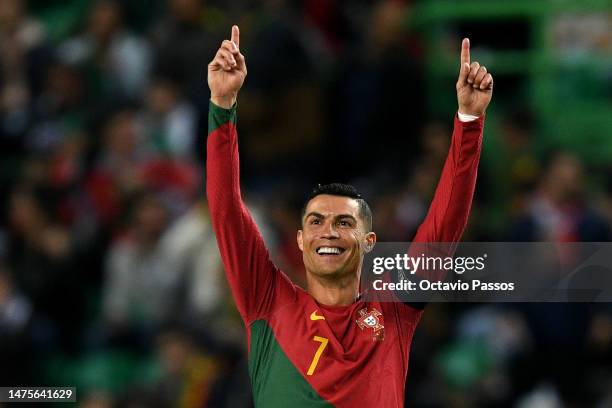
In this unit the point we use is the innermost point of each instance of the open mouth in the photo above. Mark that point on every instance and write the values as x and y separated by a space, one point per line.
329 251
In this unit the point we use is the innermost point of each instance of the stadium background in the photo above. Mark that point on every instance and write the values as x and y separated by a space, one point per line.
110 279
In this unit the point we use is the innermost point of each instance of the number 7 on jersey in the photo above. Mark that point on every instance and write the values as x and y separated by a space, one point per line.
317 355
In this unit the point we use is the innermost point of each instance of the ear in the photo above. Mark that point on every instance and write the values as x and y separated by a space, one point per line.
300 240
369 241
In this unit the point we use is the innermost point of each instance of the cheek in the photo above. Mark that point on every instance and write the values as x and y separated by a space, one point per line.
356 237
307 238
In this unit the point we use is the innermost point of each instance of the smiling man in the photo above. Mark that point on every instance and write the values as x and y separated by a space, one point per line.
326 346
336 230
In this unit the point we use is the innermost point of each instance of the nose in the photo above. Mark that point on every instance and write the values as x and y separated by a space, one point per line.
330 231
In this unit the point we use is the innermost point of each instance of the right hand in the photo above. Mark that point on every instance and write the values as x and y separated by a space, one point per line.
474 86
227 71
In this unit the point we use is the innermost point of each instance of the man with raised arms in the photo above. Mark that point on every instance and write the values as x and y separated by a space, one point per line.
326 346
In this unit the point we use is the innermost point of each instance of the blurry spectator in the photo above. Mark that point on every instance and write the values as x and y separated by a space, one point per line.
14 117
578 34
41 258
67 161
169 121
471 367
191 247
503 336
522 167
15 315
329 19
22 46
187 376
23 63
286 222
413 201
125 165
435 142
513 170
275 145
140 282
375 104
504 332
184 46
559 210
176 182
400 212
115 174
387 223
35 228
63 108
117 60
15 309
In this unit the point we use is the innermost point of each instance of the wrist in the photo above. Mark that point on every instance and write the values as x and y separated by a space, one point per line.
224 101
471 112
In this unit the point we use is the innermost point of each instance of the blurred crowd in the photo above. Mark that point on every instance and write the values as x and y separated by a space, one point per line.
110 278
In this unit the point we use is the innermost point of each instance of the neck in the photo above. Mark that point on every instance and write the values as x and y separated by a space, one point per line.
333 291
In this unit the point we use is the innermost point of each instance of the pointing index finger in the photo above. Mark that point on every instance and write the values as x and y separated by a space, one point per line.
236 35
465 51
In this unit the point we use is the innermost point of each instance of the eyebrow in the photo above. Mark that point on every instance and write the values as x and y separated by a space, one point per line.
313 214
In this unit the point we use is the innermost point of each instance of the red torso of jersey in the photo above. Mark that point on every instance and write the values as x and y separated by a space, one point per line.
348 355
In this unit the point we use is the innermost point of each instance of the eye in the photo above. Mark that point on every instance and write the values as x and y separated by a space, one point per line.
315 221
345 223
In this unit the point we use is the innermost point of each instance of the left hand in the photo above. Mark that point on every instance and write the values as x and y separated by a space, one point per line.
474 86
227 71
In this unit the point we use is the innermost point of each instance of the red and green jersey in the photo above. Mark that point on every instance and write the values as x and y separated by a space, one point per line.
301 353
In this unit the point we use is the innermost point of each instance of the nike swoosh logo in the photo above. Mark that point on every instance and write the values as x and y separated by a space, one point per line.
314 316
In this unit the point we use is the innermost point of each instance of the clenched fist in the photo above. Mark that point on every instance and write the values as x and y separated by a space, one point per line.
474 86
227 71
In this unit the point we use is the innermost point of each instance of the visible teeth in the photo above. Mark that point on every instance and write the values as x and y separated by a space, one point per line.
328 250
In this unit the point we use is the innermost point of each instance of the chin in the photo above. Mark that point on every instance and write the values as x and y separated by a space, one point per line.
328 268
326 271
329 271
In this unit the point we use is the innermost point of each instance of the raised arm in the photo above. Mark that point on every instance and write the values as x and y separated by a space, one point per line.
255 282
450 207
449 210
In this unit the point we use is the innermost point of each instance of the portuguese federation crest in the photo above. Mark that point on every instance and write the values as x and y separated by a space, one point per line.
371 320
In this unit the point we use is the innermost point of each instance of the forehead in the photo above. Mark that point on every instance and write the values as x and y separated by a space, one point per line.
333 205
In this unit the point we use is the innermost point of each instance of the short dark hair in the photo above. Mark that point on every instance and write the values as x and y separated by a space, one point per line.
343 190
